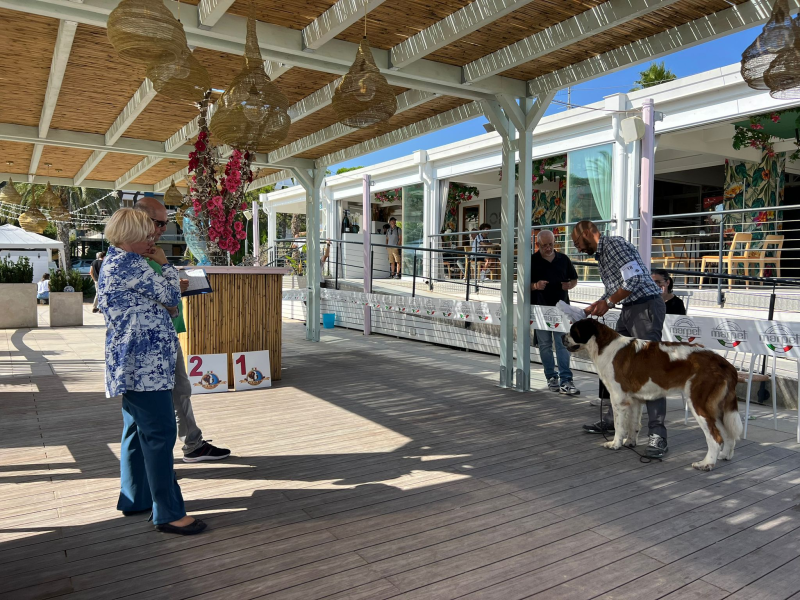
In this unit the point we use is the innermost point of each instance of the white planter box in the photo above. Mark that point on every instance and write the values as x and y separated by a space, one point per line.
19 306
66 309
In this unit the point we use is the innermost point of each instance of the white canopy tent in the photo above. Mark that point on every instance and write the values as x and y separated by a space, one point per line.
15 242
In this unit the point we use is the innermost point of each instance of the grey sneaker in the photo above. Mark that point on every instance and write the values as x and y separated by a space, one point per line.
657 447
595 401
552 383
569 389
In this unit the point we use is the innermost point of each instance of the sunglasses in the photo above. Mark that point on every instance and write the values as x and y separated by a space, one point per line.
159 224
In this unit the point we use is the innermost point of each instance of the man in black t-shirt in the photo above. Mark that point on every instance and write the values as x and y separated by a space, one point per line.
552 276
94 273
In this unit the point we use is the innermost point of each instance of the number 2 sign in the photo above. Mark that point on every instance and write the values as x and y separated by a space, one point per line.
208 373
251 370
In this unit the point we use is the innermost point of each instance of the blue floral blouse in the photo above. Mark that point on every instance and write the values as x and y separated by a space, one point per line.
141 343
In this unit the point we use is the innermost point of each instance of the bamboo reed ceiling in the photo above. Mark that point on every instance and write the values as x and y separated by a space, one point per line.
163 169
656 22
264 173
114 166
19 154
419 113
98 85
27 50
69 160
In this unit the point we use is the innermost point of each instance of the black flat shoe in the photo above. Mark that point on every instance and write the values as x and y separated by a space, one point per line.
130 513
193 529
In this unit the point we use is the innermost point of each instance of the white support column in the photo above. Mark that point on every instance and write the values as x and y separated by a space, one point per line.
256 233
429 201
507 133
619 178
647 181
272 225
367 248
312 180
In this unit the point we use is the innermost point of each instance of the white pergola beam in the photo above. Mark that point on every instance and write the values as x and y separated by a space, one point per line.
450 29
409 132
136 171
58 66
719 24
335 20
210 11
270 179
69 182
33 166
166 182
89 166
580 27
314 101
275 69
405 101
187 132
284 45
138 102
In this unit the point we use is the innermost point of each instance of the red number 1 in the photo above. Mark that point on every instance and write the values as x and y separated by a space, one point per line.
240 362
198 362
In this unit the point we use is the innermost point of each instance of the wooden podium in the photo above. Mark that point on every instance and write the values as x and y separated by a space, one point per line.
242 314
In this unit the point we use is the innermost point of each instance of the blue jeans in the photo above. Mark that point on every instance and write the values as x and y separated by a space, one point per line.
147 475
545 339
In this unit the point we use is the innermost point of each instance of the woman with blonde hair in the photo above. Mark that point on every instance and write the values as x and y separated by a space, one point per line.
141 346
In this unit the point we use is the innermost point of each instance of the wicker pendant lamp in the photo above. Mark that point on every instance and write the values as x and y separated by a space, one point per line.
33 219
783 75
252 113
48 199
173 196
145 31
9 194
186 80
364 98
776 36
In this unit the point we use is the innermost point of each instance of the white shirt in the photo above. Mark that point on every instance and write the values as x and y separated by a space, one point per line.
43 286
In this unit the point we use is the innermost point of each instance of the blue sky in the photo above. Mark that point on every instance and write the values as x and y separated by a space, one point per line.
717 53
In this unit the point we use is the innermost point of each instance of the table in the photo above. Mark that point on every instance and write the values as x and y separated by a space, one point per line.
242 314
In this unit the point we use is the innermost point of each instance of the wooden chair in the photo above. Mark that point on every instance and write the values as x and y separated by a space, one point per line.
659 253
768 254
737 254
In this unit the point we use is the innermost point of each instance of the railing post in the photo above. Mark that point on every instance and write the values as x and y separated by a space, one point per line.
338 258
720 301
414 276
368 254
467 265
432 265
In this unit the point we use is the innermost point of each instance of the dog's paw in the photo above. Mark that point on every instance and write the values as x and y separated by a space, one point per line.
701 466
629 443
612 446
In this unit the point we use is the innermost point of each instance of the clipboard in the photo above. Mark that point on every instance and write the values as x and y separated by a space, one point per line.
198 282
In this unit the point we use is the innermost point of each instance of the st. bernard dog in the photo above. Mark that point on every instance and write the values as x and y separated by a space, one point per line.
637 370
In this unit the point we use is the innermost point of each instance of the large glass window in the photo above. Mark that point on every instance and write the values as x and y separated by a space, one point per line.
589 184
413 230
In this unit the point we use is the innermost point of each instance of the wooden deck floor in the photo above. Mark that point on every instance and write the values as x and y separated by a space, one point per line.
379 469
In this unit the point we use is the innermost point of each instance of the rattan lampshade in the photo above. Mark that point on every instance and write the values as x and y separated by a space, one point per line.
776 36
783 75
33 220
48 199
364 97
9 194
173 196
60 213
252 113
185 80
145 31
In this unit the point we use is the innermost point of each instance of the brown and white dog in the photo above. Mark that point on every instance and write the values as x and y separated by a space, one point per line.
637 370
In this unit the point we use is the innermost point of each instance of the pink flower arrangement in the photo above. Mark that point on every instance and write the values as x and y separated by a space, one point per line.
756 126
218 202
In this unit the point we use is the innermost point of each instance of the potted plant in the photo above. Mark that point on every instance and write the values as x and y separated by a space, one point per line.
17 294
66 298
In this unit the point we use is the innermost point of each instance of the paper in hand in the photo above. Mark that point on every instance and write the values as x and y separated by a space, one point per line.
198 282
573 313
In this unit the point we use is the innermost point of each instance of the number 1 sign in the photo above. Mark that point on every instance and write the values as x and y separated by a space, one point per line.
208 373
251 370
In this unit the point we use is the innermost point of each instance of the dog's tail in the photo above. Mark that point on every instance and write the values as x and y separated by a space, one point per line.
730 411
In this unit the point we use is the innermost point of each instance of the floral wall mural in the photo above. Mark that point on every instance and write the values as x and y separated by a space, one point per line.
755 185
456 194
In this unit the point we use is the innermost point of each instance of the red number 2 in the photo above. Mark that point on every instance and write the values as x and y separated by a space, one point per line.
198 363
240 362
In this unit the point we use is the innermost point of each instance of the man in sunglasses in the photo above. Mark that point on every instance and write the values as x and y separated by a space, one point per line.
195 448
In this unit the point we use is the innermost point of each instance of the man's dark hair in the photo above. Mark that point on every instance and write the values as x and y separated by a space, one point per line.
484 226
392 219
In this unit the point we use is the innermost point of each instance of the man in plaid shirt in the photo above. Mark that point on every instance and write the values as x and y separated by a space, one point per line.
628 283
